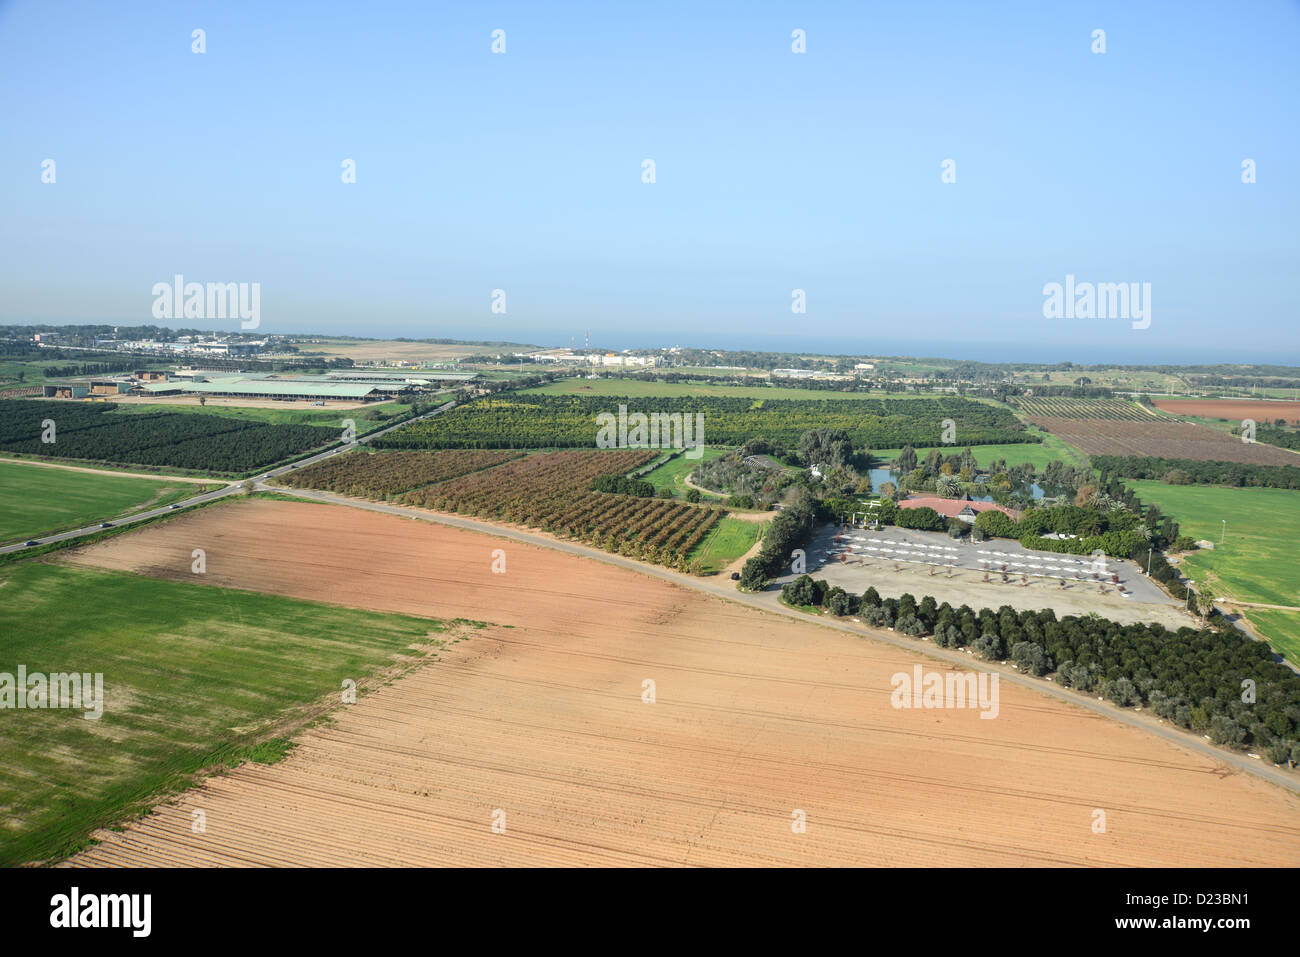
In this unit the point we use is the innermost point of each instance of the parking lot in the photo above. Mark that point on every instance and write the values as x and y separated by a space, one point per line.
995 570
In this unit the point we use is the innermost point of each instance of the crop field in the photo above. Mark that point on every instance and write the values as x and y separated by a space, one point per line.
384 474
191 676
1256 562
1281 629
1233 410
754 715
35 501
551 491
99 432
547 421
1109 410
1163 438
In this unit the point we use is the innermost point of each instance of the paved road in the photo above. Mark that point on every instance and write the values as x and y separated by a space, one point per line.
234 488
769 600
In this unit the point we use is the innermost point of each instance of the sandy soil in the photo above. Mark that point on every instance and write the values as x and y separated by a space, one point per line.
756 717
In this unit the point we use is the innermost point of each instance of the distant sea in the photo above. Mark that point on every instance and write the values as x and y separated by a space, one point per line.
1083 353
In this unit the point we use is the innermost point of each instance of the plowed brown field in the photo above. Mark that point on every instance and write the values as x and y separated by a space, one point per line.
1232 409
756 717
1163 439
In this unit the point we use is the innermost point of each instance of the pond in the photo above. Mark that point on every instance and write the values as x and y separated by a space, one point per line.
880 476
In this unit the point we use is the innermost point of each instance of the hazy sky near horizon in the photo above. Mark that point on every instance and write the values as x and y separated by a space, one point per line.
775 171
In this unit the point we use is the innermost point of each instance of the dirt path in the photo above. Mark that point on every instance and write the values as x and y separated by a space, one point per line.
1256 604
758 721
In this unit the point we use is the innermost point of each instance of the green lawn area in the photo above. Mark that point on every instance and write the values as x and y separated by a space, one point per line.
672 474
193 675
1256 561
35 500
728 540
1037 455
1281 628
32 372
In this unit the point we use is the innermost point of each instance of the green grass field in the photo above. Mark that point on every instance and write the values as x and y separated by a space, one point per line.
672 474
1281 628
1256 561
193 676
35 500
1037 455
728 540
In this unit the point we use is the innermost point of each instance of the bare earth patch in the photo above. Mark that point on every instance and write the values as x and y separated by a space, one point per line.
756 717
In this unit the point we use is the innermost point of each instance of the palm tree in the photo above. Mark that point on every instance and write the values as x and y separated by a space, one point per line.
1205 601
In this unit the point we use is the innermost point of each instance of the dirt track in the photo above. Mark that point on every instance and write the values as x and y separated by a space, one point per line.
756 716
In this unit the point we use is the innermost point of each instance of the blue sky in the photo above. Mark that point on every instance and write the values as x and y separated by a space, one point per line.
775 171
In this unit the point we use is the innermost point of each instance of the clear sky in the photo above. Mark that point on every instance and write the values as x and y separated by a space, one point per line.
522 171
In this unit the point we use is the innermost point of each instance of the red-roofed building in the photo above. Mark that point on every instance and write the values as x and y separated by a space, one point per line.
957 507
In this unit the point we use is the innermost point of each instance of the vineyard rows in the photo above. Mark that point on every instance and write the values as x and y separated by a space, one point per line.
384 474
551 491
1114 410
1163 438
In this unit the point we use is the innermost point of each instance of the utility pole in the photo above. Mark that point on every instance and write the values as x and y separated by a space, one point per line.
1224 532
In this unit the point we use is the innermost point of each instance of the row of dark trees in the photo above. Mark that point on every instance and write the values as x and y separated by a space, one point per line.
622 485
1212 681
1196 472
792 528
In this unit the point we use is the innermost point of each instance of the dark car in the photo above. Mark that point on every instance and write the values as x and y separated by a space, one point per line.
105 524
173 506
32 542
735 576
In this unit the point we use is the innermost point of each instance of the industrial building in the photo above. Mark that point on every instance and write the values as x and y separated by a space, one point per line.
86 389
